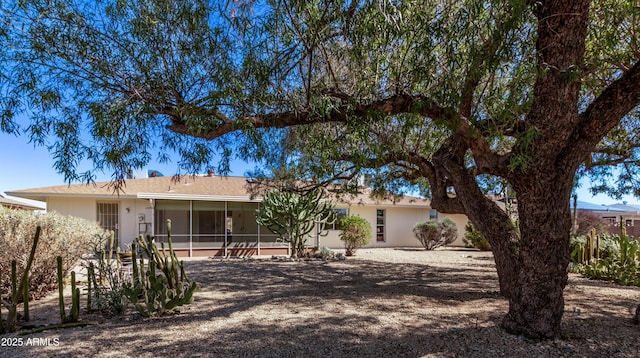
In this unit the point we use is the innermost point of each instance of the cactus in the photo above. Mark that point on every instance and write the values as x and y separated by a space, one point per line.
21 291
163 285
91 274
590 245
294 216
75 296
25 299
75 299
61 290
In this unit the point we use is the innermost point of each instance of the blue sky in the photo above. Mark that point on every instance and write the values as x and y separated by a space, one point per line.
23 167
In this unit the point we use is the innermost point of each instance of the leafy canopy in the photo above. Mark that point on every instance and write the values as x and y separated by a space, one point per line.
383 85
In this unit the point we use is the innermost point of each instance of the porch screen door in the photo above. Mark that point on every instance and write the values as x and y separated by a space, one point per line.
107 216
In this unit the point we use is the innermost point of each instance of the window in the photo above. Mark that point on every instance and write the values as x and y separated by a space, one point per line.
433 215
178 211
340 213
242 228
209 224
380 220
107 217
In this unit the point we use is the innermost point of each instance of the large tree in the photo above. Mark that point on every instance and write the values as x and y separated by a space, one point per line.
450 93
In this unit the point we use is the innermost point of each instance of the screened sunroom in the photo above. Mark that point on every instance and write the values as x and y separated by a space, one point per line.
216 228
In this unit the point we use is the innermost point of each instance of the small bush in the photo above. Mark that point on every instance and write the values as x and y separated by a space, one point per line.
326 253
63 236
474 238
433 234
356 232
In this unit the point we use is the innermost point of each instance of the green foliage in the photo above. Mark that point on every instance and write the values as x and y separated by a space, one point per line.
410 91
355 233
327 253
615 258
433 234
295 216
163 285
106 278
474 238
65 236
74 313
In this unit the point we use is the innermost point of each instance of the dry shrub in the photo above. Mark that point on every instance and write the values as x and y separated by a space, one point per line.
433 234
64 236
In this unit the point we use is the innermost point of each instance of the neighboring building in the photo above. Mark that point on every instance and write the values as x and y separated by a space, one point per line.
610 216
214 215
17 205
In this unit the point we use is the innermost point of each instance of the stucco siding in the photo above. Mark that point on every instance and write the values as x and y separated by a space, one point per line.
399 223
84 208
137 215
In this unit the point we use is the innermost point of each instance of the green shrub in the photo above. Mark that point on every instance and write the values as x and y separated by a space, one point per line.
63 236
474 238
433 234
619 259
356 232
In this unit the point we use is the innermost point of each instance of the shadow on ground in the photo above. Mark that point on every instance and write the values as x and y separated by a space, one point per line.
351 308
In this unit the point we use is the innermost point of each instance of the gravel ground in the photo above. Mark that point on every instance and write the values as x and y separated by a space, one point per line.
380 303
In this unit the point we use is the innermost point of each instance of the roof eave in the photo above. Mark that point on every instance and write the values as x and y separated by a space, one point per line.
170 196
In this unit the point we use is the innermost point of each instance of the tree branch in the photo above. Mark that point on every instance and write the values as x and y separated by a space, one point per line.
393 105
606 111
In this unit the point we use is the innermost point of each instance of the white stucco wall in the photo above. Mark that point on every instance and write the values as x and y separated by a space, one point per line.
86 208
399 222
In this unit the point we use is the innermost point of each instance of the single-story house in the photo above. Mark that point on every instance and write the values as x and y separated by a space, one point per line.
610 216
216 215
17 205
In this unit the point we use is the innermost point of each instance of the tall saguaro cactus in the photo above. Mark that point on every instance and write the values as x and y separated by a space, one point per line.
294 216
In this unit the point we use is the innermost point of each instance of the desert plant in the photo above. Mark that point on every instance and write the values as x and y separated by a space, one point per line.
19 292
355 233
294 216
163 285
433 234
106 278
474 238
75 296
327 253
621 263
60 236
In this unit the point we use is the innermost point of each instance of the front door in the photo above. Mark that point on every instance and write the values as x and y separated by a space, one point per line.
108 215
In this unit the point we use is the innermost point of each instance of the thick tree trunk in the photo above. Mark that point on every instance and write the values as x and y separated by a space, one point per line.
537 304
492 221
498 229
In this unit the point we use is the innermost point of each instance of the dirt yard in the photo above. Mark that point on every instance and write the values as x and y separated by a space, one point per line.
381 303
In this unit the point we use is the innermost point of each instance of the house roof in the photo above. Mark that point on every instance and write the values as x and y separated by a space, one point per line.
583 205
15 204
228 188
626 208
